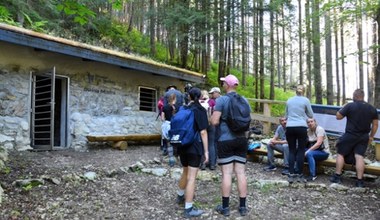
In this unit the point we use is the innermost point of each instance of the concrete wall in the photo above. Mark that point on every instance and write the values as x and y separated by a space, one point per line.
103 99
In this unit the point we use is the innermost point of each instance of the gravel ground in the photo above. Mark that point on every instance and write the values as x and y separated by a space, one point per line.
118 193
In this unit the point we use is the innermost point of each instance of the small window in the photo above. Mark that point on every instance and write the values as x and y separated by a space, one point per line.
148 97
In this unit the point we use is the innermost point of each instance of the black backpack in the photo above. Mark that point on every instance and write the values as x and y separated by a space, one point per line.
238 113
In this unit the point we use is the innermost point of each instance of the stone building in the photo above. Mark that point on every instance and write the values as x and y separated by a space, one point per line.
54 91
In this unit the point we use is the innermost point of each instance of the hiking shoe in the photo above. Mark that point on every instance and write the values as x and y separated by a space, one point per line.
270 168
285 171
180 199
359 183
223 211
336 178
243 211
311 178
292 178
192 212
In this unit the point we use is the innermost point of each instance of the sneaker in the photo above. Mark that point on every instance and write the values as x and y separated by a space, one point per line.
171 161
301 178
270 168
212 167
292 178
180 199
203 166
223 211
359 183
285 171
243 211
336 178
311 178
192 212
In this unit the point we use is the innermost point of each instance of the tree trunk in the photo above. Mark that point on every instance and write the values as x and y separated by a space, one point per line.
152 28
261 34
255 45
221 58
360 47
317 52
243 43
271 59
342 59
309 50
184 38
377 76
373 63
300 42
337 59
283 51
329 75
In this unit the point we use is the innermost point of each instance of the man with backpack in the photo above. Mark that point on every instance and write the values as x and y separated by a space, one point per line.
232 115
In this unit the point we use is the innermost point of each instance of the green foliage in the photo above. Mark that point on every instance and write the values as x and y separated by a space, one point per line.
5 16
78 11
36 26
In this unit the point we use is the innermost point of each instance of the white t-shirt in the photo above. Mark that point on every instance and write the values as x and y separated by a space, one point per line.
319 132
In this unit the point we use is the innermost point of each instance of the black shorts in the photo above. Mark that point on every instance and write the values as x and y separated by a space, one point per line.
232 151
190 160
352 143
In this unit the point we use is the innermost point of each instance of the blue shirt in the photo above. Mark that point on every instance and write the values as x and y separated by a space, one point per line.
298 109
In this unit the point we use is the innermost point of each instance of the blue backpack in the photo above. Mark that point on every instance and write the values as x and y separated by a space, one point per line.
182 131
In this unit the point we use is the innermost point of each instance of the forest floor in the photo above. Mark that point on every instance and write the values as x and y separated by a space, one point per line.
119 193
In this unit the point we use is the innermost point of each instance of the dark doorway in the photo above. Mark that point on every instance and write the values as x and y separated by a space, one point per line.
49 111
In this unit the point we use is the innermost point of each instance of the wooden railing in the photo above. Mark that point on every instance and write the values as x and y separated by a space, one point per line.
266 117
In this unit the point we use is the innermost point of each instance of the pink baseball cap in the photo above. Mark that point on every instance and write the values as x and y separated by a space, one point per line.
231 80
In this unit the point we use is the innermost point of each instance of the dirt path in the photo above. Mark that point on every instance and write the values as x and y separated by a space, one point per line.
117 193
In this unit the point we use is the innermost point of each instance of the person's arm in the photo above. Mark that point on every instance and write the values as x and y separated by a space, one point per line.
205 144
339 116
375 125
309 110
215 118
163 116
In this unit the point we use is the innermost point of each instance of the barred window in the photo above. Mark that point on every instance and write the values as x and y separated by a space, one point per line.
148 99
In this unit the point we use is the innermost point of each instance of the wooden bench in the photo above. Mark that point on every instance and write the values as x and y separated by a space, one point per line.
329 162
121 141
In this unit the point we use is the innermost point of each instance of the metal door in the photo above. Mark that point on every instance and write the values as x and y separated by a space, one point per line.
43 93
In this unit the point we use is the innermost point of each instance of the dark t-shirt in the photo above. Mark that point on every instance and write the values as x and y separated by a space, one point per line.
169 111
200 123
359 115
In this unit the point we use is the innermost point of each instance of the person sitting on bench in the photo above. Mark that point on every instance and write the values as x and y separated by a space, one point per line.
278 143
317 148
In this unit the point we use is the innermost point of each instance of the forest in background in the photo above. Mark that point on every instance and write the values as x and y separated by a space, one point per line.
272 45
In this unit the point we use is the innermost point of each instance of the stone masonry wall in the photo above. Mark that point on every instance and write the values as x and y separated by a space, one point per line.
103 99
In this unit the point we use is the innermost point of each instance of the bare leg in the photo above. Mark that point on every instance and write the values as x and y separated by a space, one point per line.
183 180
241 179
227 171
359 166
190 186
339 164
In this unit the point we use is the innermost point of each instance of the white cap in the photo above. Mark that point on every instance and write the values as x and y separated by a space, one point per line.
214 89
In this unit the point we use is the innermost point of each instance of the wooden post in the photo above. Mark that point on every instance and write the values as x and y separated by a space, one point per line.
267 125
377 151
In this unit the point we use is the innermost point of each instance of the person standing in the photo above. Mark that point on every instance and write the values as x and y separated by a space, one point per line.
317 148
172 89
298 109
211 130
278 143
361 126
191 156
232 150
